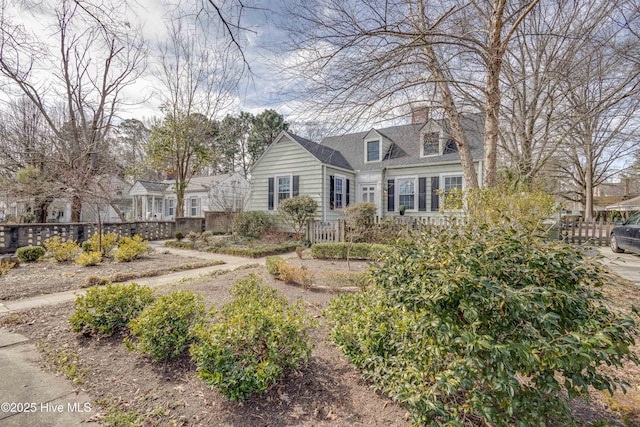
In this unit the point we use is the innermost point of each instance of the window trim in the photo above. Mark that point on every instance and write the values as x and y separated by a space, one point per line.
443 178
440 138
191 206
415 193
366 150
443 194
276 189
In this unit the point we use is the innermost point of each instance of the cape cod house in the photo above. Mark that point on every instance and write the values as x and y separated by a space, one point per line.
391 167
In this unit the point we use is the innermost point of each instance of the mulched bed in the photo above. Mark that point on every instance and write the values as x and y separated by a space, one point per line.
328 392
48 276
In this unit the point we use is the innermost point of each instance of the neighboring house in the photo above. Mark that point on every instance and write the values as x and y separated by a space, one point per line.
404 165
114 192
219 193
117 189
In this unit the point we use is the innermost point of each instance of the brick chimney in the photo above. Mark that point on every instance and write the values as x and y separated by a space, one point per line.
419 115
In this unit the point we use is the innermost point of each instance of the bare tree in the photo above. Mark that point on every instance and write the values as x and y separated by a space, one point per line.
75 84
604 99
374 58
198 77
536 104
228 199
27 160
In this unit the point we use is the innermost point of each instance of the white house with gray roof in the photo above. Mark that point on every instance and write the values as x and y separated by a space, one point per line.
217 193
396 166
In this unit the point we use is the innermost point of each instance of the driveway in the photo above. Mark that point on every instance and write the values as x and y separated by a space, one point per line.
626 265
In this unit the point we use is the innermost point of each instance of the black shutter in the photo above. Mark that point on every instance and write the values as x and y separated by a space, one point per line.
348 192
271 195
422 194
296 185
331 191
435 186
391 199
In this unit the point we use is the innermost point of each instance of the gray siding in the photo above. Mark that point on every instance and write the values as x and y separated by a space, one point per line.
330 214
285 157
421 171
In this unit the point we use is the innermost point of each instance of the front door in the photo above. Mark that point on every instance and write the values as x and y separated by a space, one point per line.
368 193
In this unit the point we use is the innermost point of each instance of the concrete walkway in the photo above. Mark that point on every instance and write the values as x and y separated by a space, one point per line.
230 262
32 397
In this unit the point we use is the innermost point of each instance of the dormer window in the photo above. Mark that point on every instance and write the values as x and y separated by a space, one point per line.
431 144
373 151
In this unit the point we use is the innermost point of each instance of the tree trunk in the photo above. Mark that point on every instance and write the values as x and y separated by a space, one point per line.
588 190
117 210
76 208
468 171
179 201
492 103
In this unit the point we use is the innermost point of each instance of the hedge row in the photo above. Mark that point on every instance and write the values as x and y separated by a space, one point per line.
362 251
257 252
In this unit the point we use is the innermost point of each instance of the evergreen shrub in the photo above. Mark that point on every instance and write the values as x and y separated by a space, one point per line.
255 340
485 323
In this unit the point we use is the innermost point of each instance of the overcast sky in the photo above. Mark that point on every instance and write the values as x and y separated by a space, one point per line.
260 42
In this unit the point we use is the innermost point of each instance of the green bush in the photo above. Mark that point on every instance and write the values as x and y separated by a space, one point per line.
30 253
130 248
88 259
108 243
366 251
296 211
61 250
162 330
484 323
109 309
179 236
257 338
502 206
257 252
253 223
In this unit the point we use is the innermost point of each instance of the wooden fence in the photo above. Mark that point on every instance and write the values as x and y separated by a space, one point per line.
594 232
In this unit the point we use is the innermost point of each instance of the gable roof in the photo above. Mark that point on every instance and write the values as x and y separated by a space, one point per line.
153 187
204 183
326 155
405 145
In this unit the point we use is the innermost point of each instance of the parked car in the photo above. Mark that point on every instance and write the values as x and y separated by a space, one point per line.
626 236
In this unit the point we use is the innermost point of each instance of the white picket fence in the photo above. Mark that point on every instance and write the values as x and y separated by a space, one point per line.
334 231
